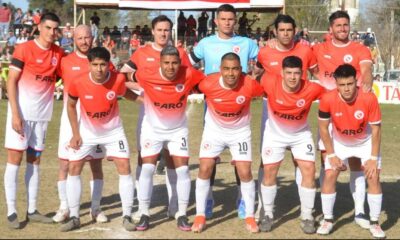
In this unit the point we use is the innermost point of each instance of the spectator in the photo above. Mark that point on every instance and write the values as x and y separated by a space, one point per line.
191 23
262 42
68 31
137 30
22 37
314 42
303 36
266 35
125 38
378 78
18 16
146 33
36 17
202 30
243 22
115 60
368 38
108 43
190 36
116 36
67 44
95 33
27 21
5 19
182 24
12 39
106 31
95 19
7 53
133 43
258 34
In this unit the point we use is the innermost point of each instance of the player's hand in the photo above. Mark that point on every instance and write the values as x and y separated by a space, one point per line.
17 124
367 87
337 164
76 142
371 168
133 86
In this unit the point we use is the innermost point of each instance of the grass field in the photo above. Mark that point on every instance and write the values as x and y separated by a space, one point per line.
225 223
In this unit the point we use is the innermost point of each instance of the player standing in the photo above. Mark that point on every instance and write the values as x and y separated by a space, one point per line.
30 86
356 136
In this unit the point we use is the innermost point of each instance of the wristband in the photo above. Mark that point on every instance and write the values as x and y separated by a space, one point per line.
374 158
332 155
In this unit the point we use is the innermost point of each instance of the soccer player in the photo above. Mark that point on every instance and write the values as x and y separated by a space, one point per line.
356 136
99 126
73 66
270 59
227 125
289 102
149 57
330 55
210 50
166 89
30 88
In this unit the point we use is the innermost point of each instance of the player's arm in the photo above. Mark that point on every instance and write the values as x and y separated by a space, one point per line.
76 139
129 68
323 124
12 83
130 95
371 166
366 73
314 71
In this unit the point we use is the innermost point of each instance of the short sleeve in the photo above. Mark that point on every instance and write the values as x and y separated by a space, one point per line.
72 90
121 84
18 58
198 52
257 89
197 76
324 108
184 58
365 54
375 116
312 60
253 53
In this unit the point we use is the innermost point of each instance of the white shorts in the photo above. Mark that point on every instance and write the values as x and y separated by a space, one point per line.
321 146
34 135
301 145
65 137
238 141
361 151
152 141
113 146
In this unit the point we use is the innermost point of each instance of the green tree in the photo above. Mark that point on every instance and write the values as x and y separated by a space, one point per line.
312 14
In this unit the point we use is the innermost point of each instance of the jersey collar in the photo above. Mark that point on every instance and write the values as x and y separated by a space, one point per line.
222 84
340 46
285 50
80 55
39 45
96 83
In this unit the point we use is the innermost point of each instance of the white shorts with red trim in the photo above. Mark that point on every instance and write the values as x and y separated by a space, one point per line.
238 141
113 146
34 135
153 140
301 145
361 151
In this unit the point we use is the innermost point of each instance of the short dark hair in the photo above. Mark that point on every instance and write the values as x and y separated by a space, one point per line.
292 62
345 71
170 51
161 18
338 14
226 8
50 16
230 56
98 52
283 18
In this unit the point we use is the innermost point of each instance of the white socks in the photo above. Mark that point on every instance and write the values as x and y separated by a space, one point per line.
268 196
126 193
62 193
145 188
202 189
170 183
183 189
96 190
74 191
375 206
32 185
248 194
328 201
10 187
357 189
307 198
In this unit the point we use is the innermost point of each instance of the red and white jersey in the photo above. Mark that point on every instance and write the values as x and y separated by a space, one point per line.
330 56
165 100
98 104
226 107
36 84
148 56
350 120
288 112
271 58
72 67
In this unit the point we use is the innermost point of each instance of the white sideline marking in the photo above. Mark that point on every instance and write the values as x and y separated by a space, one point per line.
93 229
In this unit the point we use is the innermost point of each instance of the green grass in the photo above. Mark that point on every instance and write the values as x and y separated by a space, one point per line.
225 223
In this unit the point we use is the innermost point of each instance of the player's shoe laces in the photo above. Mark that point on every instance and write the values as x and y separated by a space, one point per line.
61 215
241 209
72 224
199 224
36 216
308 226
98 216
251 225
13 222
209 208
376 230
128 224
183 223
326 226
266 223
144 223
362 220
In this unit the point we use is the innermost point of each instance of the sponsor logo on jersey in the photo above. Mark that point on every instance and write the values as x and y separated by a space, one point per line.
352 132
179 87
76 68
39 60
149 59
169 105
240 99
99 115
54 61
88 97
157 88
327 56
347 58
279 101
217 100
45 78
338 114
359 114
290 116
110 95
300 103
236 49
229 114
274 64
